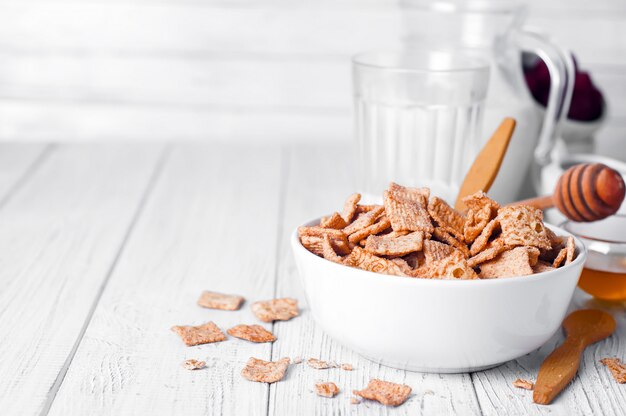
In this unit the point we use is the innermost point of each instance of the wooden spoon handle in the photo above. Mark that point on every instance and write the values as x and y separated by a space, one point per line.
541 202
558 369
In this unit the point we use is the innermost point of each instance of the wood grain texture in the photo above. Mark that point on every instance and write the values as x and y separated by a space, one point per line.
17 162
60 234
319 179
210 224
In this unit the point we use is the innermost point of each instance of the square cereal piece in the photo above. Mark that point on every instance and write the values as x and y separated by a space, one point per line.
265 371
282 309
349 207
252 333
328 252
480 243
312 237
559 258
570 250
400 246
445 237
335 221
328 389
493 249
214 300
542 266
447 217
480 210
362 259
407 215
364 220
381 225
403 265
434 250
192 364
385 392
201 334
522 225
409 194
454 266
617 369
366 208
520 383
515 262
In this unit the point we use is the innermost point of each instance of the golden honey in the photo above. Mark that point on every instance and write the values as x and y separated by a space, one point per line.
603 285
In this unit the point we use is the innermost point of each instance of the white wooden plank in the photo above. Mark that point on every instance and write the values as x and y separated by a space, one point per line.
593 391
60 234
17 162
77 121
319 180
210 224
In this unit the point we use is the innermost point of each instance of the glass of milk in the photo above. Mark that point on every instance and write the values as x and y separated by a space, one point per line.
417 118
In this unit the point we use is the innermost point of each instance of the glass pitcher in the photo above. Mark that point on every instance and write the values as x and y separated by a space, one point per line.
492 31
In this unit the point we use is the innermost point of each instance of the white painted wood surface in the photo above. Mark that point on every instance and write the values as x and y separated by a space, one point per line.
107 246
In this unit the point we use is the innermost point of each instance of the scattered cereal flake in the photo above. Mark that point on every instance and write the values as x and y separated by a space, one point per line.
400 246
447 217
570 250
362 259
491 252
407 215
265 371
434 250
202 334
523 384
347 367
444 236
381 225
349 207
559 258
522 225
282 309
355 400
297 360
410 194
617 369
515 262
192 364
542 266
328 389
480 243
364 220
335 221
318 364
481 210
222 301
253 333
329 252
385 392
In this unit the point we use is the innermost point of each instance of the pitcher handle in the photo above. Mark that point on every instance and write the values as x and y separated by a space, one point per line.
562 74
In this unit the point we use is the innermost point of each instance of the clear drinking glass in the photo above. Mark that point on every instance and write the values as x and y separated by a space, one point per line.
418 119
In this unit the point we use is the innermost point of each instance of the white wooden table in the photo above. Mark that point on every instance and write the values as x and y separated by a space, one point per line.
104 247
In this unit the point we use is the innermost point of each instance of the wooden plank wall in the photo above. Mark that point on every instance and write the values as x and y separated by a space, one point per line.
231 70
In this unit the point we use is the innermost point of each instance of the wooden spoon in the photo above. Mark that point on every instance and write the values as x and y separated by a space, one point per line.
585 192
582 328
483 171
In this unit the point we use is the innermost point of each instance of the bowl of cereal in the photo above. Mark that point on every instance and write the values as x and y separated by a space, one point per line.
416 285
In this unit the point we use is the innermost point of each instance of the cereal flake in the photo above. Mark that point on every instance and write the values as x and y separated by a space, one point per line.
252 333
328 389
385 392
265 371
215 300
202 334
282 309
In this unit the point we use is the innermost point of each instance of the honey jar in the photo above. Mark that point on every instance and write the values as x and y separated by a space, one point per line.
604 275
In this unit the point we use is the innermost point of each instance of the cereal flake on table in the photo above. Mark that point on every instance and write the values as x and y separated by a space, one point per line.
265 371
617 369
201 334
192 364
252 333
318 364
282 309
385 392
521 383
347 367
417 235
215 300
327 389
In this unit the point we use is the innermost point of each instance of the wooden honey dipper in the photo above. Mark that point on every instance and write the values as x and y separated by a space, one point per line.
584 193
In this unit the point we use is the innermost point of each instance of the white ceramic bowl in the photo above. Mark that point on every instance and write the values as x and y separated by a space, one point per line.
444 326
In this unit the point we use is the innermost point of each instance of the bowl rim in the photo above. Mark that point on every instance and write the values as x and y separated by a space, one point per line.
581 258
